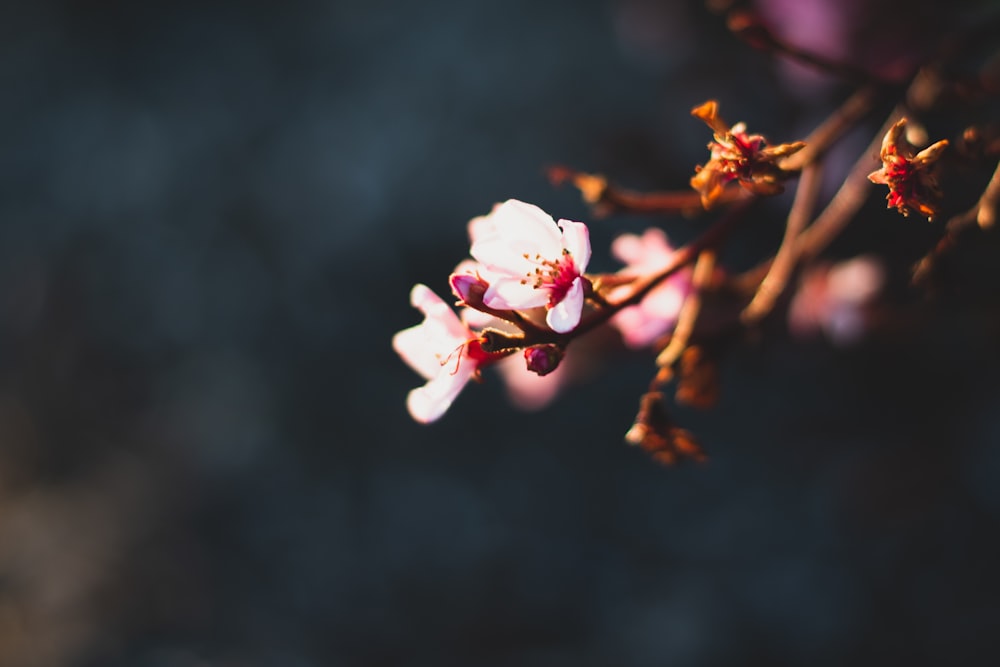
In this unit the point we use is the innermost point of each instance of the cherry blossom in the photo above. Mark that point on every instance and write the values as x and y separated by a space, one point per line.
640 325
444 350
531 261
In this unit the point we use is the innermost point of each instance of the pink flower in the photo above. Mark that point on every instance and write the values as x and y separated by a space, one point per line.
834 299
444 350
531 261
527 390
642 324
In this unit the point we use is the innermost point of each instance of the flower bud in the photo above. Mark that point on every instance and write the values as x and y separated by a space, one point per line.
544 358
468 287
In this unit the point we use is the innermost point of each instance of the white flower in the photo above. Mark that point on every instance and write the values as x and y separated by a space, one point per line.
531 261
443 350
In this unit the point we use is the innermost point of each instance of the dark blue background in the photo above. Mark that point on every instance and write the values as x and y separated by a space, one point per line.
210 218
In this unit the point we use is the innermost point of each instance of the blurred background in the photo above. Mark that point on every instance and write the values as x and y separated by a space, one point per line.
211 215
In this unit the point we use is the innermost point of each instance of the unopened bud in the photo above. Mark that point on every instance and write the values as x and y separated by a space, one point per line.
468 287
544 358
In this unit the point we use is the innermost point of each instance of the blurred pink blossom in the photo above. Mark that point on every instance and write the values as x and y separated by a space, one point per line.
640 325
833 299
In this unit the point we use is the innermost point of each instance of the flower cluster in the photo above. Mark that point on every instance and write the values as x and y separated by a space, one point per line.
525 293
525 288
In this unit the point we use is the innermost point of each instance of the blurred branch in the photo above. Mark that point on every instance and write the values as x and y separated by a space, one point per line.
982 215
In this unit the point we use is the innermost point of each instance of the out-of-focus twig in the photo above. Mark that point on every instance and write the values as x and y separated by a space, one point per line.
983 215
847 201
688 315
826 133
747 25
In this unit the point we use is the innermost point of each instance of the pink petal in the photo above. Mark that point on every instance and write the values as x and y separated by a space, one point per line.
627 248
637 328
527 390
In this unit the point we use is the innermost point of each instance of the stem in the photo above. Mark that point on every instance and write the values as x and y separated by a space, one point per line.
748 26
773 284
847 201
983 215
689 311
606 198
826 134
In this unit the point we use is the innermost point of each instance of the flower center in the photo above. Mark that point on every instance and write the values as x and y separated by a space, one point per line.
557 275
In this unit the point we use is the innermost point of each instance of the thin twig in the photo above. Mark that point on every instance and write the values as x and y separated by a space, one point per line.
606 198
689 312
983 214
836 124
747 25
847 201
773 284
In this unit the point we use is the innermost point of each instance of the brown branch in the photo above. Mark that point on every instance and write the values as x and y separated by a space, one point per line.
982 215
605 198
826 133
746 25
847 201
689 312
774 282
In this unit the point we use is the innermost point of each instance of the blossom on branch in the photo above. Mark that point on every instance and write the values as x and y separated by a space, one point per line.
911 176
642 324
531 261
738 156
444 350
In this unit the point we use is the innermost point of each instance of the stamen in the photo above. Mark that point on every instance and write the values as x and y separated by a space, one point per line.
458 361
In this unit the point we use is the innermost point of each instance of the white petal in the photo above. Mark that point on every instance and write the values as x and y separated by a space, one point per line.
424 346
412 346
565 315
513 230
477 319
576 239
517 219
512 294
428 403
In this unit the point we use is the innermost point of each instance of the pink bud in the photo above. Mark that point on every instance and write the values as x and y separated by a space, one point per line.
543 359
468 287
